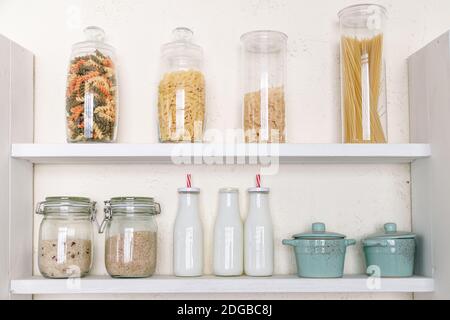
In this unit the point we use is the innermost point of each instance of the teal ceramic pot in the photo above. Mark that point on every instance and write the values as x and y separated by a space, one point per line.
320 254
390 254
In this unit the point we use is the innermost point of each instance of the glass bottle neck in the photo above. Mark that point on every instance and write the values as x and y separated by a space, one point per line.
188 202
259 202
229 202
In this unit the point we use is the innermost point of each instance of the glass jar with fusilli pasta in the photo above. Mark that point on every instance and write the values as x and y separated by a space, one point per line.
181 97
92 91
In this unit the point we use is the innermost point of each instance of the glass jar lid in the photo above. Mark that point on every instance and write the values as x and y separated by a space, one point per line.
182 47
363 9
363 16
319 233
133 205
259 190
391 233
264 41
229 190
65 206
189 190
95 39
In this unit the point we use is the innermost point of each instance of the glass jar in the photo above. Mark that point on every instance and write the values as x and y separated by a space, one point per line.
131 237
363 74
92 91
181 97
264 83
65 237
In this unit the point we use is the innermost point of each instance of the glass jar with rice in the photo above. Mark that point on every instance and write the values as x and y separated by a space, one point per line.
181 97
65 237
131 236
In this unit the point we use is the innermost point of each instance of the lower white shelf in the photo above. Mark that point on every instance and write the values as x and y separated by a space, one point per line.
170 284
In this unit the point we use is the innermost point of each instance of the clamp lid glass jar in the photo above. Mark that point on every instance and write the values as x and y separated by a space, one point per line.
92 90
65 236
181 98
131 236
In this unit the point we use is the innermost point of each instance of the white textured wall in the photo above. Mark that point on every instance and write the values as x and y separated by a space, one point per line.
351 199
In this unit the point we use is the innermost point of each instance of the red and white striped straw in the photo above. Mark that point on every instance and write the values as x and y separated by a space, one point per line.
189 181
258 181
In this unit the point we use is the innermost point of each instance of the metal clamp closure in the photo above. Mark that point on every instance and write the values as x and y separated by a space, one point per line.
106 219
93 212
158 208
40 208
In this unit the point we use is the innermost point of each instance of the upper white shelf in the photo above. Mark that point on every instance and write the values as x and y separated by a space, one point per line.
220 154
169 284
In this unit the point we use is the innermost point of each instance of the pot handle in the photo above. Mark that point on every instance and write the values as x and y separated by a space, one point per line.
349 243
375 243
291 242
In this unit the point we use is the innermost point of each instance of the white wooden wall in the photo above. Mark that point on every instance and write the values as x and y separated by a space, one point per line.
16 177
429 72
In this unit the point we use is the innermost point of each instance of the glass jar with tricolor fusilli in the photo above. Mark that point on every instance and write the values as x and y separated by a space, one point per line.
92 91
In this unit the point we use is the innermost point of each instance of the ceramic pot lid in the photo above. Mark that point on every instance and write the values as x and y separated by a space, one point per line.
390 232
319 233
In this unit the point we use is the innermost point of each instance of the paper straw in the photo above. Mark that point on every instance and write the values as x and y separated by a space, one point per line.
258 181
189 181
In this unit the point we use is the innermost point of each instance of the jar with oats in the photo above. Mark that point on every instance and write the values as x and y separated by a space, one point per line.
264 83
181 96
131 236
65 237
92 91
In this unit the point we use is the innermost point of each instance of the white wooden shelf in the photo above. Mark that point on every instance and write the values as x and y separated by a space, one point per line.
219 154
168 284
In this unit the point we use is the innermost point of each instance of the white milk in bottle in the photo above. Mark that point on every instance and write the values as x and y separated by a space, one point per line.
259 239
188 235
228 235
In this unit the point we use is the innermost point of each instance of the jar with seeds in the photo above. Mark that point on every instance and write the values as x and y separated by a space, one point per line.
92 91
131 236
181 96
65 237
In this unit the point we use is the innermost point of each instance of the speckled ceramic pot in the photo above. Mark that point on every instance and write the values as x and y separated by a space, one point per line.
320 254
390 254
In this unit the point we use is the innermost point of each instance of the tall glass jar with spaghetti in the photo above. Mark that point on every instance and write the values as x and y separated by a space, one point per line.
181 96
363 74
264 83
92 96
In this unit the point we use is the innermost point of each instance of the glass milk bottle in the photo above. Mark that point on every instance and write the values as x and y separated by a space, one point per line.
188 235
258 239
229 235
